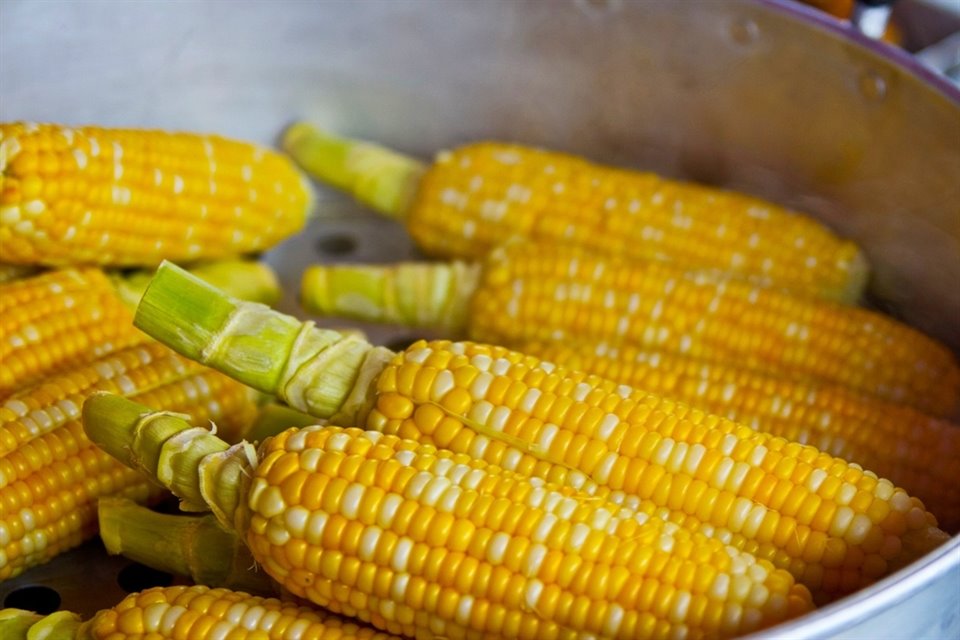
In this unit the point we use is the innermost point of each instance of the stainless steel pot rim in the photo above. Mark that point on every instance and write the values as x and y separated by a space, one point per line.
893 54
831 619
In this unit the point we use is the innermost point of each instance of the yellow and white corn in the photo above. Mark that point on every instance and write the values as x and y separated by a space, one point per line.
50 473
428 543
57 320
915 451
534 292
833 525
129 197
473 198
189 613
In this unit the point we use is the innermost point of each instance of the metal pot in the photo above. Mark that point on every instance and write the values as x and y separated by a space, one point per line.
766 97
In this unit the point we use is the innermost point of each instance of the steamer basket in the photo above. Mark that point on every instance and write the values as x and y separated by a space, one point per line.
766 97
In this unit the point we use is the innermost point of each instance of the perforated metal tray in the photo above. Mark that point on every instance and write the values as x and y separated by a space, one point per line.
759 95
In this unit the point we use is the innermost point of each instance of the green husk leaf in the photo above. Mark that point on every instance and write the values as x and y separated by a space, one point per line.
376 176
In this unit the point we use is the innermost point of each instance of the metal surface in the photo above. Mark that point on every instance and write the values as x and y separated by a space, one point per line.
778 101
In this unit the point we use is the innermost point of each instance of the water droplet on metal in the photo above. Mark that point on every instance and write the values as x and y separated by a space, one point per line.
873 86
745 31
599 7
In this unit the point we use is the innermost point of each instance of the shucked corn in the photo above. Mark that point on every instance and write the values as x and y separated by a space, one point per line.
67 317
133 197
915 451
476 197
50 473
526 291
427 543
57 320
188 613
834 526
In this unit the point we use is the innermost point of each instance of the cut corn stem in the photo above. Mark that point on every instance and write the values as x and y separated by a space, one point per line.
188 613
381 493
416 294
243 339
252 280
378 177
192 546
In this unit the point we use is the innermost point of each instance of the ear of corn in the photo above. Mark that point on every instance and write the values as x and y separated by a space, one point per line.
51 475
132 197
478 196
57 320
188 613
915 451
196 547
370 525
835 526
63 318
531 292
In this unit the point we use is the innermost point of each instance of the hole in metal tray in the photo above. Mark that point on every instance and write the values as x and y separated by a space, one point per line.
337 244
36 598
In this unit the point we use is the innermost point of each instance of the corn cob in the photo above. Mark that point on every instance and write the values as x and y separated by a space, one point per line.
188 613
132 197
915 451
63 318
834 526
11 272
530 292
50 473
57 320
422 542
476 197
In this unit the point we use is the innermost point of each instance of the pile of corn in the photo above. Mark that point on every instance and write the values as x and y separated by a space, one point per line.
656 410
78 208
